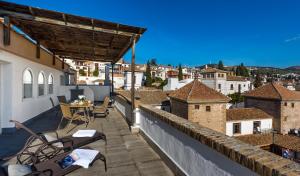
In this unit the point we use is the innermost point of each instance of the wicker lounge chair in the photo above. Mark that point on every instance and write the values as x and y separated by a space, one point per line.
44 146
49 167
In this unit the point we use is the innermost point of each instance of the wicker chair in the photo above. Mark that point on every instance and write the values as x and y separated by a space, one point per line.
67 114
102 109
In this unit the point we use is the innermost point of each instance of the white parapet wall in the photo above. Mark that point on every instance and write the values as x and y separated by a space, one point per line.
191 149
190 156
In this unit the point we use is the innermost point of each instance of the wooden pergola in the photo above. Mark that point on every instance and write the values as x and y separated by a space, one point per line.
71 36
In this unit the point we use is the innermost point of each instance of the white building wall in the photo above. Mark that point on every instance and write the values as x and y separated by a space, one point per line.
14 106
174 84
181 149
247 126
138 80
210 83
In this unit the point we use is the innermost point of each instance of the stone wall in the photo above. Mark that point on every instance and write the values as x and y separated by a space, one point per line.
198 150
290 116
179 108
214 119
271 107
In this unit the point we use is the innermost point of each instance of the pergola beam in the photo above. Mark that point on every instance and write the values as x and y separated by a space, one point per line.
63 22
6 31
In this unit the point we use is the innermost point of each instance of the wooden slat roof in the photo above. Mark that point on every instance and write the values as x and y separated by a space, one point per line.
72 36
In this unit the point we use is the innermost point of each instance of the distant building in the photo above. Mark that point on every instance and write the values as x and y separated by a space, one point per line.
281 103
138 79
174 84
245 121
277 143
201 104
224 82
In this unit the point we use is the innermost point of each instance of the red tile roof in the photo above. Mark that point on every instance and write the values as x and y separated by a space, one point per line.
196 91
212 70
284 141
246 114
273 91
236 78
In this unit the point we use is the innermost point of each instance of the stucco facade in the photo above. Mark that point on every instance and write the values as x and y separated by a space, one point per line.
215 118
286 116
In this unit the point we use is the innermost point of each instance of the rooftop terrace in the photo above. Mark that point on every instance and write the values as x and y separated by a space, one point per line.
126 153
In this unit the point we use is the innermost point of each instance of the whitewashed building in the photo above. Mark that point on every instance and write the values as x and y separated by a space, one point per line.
174 84
27 82
138 79
245 121
223 82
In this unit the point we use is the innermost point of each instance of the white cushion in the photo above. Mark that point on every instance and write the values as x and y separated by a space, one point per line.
53 138
18 170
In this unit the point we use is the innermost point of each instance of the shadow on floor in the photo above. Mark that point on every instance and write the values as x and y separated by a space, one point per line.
11 143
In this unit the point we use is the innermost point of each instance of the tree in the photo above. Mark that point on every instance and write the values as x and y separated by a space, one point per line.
82 72
180 75
241 70
221 65
258 81
96 72
148 75
153 62
236 98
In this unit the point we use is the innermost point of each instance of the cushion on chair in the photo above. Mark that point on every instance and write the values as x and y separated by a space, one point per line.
18 170
51 138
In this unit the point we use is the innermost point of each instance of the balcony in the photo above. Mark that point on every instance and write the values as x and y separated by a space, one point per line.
126 153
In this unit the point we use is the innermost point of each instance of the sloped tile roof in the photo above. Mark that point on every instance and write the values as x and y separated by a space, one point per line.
152 97
196 91
246 114
273 91
236 78
212 70
284 141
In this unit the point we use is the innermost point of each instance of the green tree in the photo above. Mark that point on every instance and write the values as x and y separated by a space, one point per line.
241 70
82 72
236 98
180 75
221 65
96 72
153 62
148 75
258 81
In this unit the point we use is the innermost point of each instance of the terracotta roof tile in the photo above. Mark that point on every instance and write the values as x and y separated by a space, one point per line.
246 114
153 97
196 91
284 141
273 91
235 78
212 70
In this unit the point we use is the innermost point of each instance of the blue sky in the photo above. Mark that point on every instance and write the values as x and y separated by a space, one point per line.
196 32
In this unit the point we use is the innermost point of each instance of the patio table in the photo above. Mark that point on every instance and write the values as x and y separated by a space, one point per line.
85 105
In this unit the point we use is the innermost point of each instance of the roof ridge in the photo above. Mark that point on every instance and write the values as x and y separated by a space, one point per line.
273 84
191 90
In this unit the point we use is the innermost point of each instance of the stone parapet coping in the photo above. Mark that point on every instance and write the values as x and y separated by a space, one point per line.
258 160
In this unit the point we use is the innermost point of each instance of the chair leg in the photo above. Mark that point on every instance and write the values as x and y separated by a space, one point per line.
104 138
102 158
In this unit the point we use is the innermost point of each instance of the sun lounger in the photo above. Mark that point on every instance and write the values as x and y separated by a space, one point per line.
49 145
48 168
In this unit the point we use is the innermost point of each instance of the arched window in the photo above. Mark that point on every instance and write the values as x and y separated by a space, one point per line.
27 83
50 84
41 84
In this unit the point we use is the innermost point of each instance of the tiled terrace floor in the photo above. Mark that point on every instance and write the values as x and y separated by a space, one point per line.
126 153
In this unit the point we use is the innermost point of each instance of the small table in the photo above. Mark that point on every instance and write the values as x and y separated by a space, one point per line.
86 106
